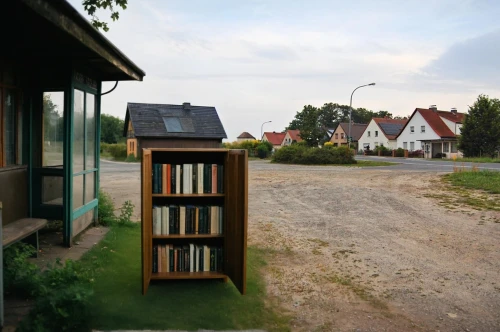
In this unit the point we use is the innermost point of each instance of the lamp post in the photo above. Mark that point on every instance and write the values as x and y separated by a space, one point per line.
261 129
350 113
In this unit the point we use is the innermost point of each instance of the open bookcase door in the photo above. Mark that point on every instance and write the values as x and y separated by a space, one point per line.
236 217
146 229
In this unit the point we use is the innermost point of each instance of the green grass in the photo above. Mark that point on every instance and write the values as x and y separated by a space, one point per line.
484 180
469 160
187 304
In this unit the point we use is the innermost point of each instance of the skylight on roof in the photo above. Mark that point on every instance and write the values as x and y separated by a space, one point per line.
173 124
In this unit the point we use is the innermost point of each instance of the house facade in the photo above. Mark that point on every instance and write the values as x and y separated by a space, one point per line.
51 71
291 136
339 136
245 136
172 126
276 139
381 132
433 131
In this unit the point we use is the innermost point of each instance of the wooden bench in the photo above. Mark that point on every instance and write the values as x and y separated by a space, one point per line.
21 229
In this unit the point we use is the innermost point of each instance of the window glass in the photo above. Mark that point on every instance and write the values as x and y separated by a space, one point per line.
9 118
53 128
78 131
446 147
412 129
412 146
376 133
422 129
89 187
91 130
77 191
405 145
454 147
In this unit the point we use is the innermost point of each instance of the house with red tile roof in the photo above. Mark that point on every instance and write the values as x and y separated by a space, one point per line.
433 131
339 136
381 131
245 136
274 138
292 136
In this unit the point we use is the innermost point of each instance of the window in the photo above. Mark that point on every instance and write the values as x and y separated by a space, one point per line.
376 143
412 129
422 145
341 135
446 147
10 127
412 146
454 147
337 136
173 124
53 128
376 133
422 129
405 145
366 146
368 134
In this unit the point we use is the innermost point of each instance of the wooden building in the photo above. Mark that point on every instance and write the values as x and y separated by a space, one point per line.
52 64
171 126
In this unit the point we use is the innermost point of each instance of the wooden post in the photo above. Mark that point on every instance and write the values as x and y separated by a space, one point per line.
406 153
393 153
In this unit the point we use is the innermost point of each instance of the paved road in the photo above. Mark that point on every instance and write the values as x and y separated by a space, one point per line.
419 165
416 164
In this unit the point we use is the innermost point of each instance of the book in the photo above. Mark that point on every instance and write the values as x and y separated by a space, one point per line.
206 259
196 220
214 179
182 220
155 258
178 177
207 177
213 219
158 178
164 178
155 183
194 177
164 220
191 257
169 179
171 257
173 172
200 179
212 259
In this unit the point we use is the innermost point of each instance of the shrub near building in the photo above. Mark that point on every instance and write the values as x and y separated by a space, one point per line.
300 154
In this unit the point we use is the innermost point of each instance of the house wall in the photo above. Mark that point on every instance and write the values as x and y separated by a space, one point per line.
406 136
456 128
373 141
287 140
275 146
339 141
14 193
244 139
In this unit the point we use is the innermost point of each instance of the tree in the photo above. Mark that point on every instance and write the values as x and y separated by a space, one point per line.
91 7
307 121
480 133
111 128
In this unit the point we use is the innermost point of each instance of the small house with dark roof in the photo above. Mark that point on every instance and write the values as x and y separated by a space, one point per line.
291 136
339 136
274 138
433 131
381 132
171 126
245 136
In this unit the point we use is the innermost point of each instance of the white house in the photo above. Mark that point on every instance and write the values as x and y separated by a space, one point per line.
381 131
245 136
292 136
433 132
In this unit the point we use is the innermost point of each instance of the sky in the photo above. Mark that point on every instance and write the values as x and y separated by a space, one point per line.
259 61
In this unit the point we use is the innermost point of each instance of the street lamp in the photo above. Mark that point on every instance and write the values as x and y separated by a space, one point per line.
350 114
261 129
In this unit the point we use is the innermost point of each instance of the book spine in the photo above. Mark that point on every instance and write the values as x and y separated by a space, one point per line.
155 259
158 179
194 177
173 172
171 258
169 179
155 188
214 179
178 177
212 259
200 179
164 178
164 220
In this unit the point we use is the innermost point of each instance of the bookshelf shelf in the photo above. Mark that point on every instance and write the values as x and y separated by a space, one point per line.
189 195
189 236
220 216
187 275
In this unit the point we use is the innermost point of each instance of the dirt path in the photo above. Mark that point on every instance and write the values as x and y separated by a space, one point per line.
366 250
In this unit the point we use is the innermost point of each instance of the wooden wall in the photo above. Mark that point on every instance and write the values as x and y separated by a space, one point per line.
178 143
14 193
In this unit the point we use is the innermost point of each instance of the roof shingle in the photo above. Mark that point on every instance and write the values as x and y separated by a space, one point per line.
390 127
275 138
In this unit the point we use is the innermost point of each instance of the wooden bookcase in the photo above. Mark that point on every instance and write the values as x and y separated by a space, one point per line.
234 200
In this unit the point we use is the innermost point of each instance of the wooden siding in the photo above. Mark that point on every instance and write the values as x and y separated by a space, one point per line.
14 199
132 146
179 143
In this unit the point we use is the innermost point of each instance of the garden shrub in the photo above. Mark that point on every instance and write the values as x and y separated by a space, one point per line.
400 152
300 154
418 154
131 158
105 209
117 151
383 151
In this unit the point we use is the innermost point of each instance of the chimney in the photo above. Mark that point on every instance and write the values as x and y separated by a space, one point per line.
186 106
433 108
454 110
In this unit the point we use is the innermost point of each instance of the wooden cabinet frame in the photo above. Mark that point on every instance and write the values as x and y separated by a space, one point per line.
234 200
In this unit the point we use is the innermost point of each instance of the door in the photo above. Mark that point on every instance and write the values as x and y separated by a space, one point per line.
236 217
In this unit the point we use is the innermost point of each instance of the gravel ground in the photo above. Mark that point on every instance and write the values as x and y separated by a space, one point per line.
365 250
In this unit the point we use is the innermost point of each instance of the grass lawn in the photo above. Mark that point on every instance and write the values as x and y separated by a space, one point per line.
187 305
484 180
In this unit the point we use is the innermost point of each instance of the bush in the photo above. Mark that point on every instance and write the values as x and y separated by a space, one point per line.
383 151
400 152
117 151
20 276
300 154
417 154
131 158
105 209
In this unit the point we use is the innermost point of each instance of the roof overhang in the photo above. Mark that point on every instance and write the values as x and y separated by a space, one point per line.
100 54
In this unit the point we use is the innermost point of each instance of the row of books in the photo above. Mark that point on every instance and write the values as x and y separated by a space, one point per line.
189 219
188 179
187 258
